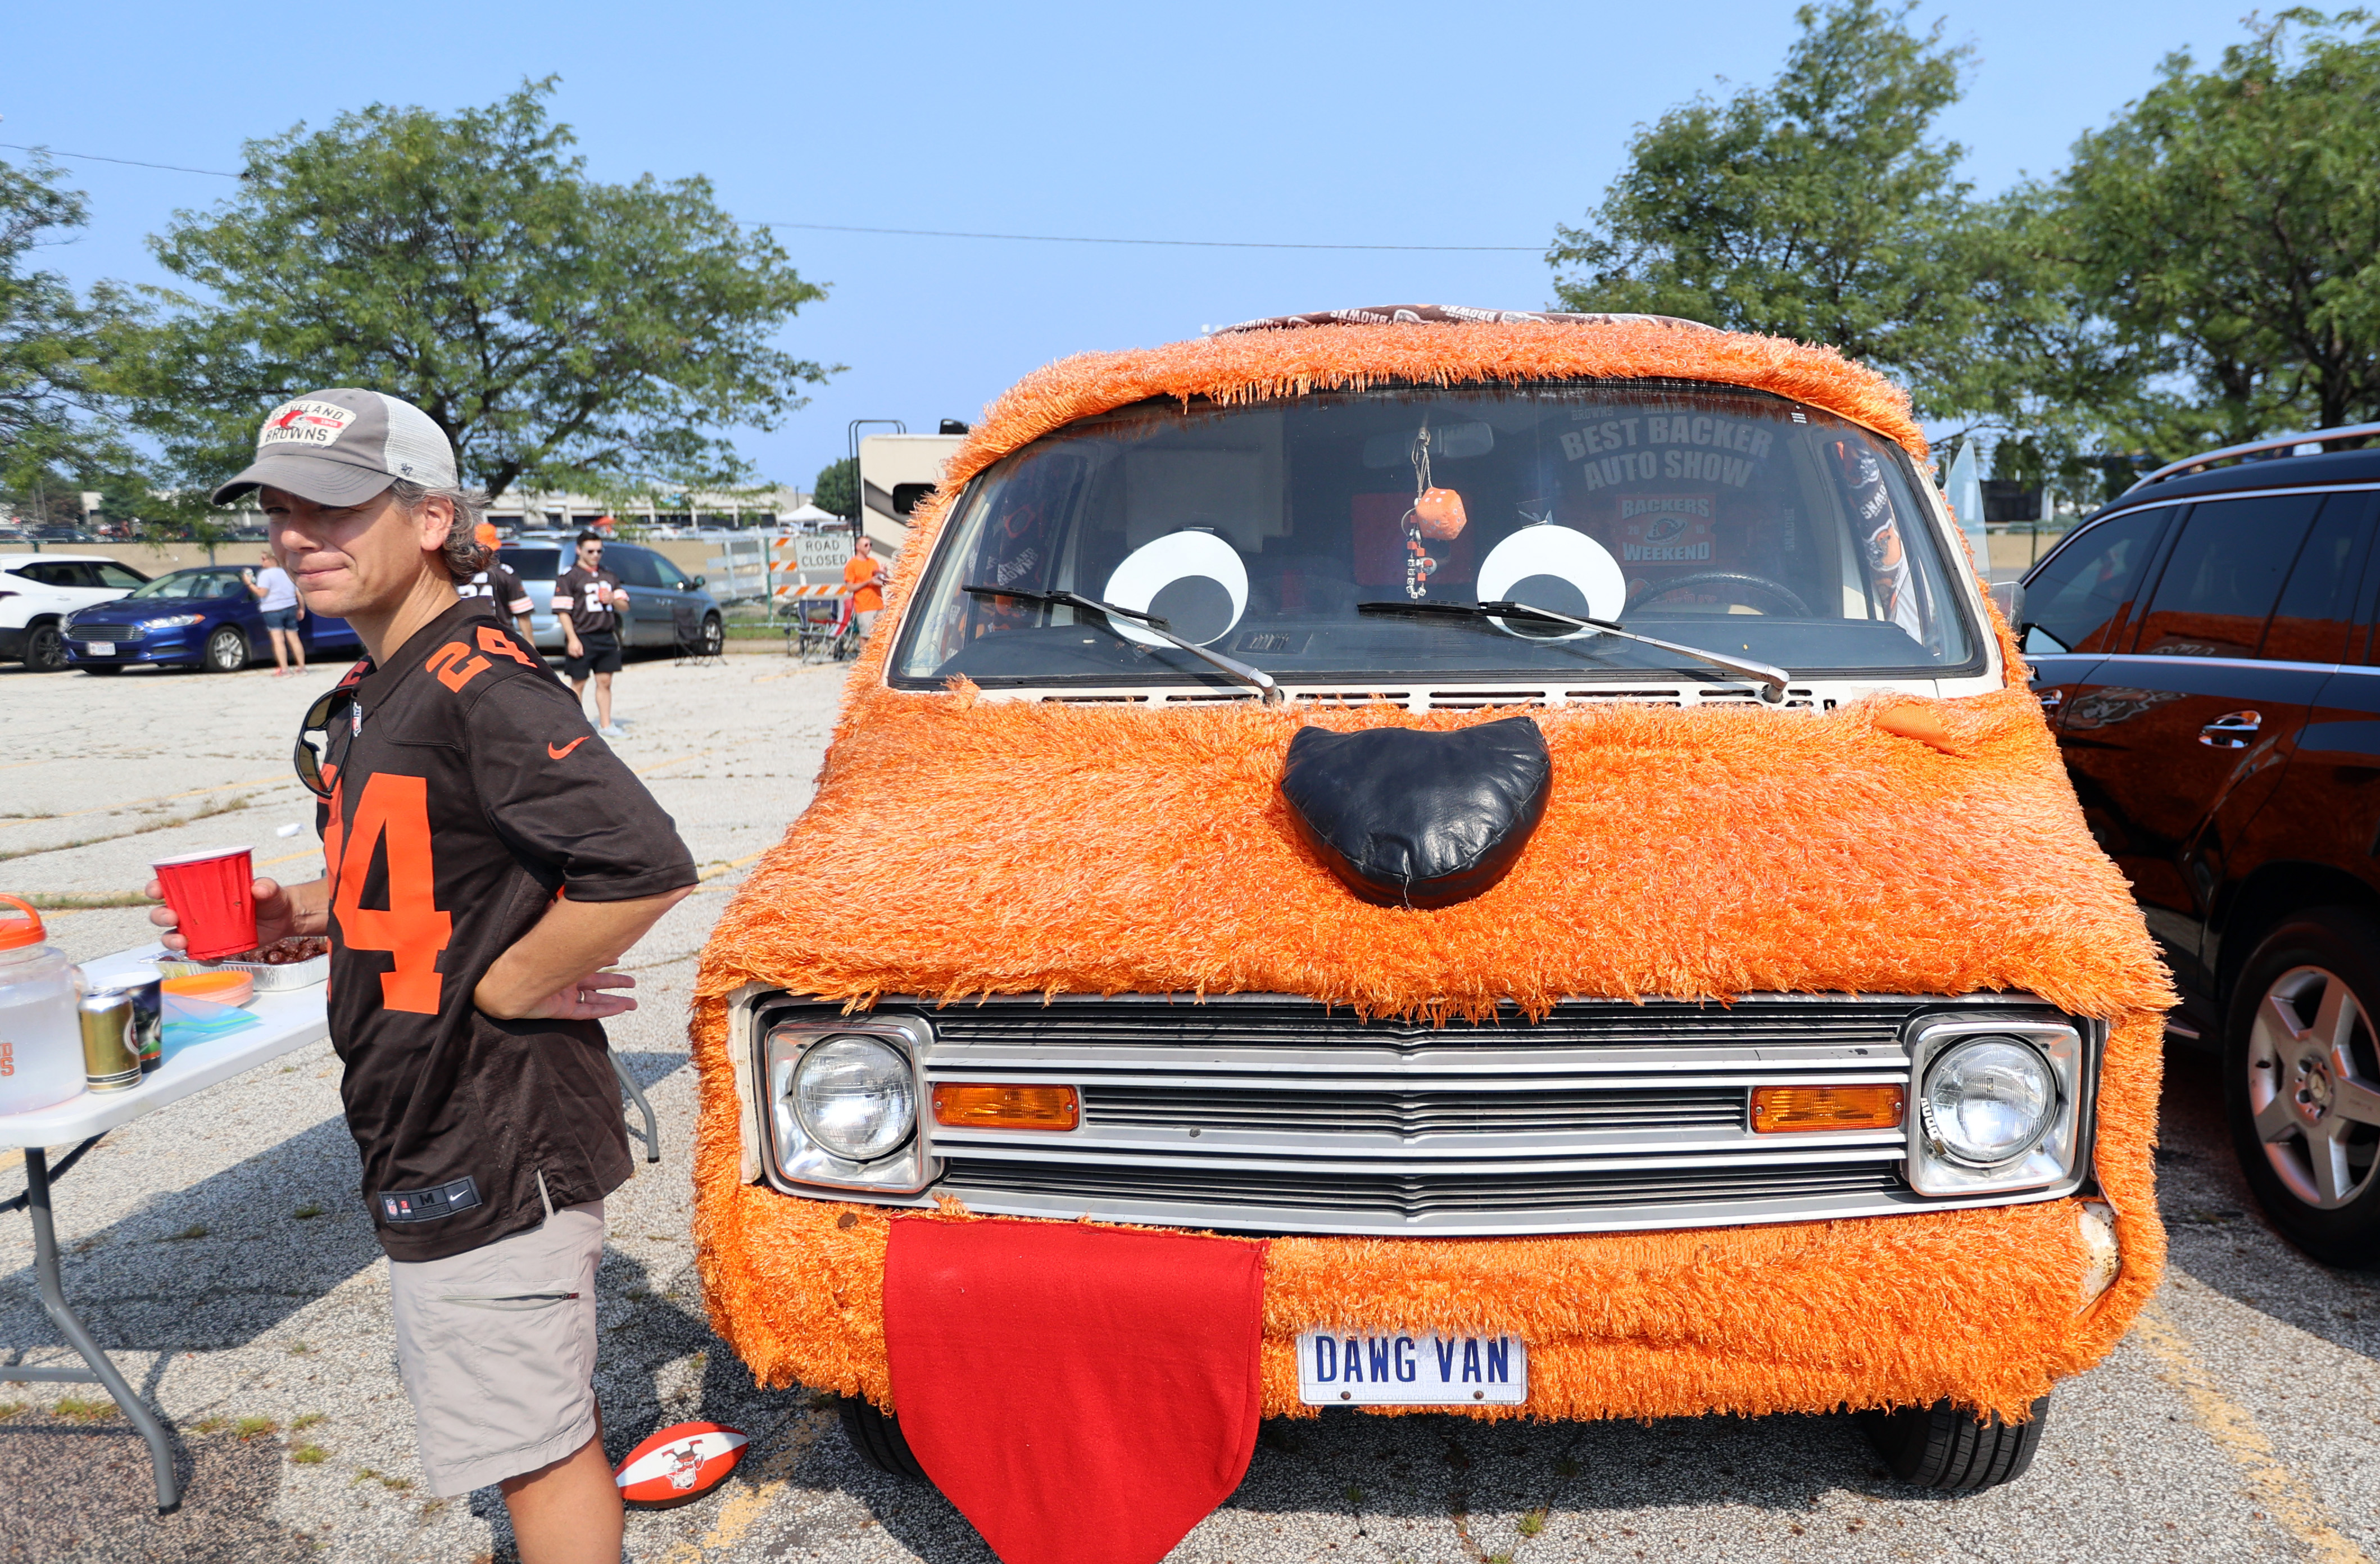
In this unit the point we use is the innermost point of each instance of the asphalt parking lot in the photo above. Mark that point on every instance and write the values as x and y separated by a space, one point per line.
218 1247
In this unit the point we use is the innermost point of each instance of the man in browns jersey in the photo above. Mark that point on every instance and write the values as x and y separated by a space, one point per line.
489 858
587 601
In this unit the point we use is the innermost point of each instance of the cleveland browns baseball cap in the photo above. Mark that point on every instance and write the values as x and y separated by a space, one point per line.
342 446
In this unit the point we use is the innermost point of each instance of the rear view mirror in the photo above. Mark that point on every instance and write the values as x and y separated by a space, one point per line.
1448 443
700 582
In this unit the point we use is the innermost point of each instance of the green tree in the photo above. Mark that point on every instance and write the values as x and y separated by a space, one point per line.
1819 208
2226 229
53 346
837 489
564 333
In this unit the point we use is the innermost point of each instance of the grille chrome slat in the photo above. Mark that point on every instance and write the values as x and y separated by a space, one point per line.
1413 1113
1412 1197
1267 1023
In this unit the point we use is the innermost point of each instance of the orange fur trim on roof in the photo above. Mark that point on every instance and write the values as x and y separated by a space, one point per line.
1892 846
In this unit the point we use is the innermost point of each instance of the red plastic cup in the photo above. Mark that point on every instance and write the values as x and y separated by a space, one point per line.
214 907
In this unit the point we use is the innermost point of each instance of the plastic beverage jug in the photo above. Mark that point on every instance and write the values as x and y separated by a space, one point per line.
41 1037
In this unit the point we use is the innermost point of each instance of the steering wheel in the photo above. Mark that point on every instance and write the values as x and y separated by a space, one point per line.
1761 584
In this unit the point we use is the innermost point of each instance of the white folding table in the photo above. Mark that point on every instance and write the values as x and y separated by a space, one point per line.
286 1022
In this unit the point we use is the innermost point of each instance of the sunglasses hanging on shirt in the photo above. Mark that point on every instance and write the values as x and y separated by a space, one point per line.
330 723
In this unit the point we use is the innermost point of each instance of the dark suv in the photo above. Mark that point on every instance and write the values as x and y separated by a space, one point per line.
2205 649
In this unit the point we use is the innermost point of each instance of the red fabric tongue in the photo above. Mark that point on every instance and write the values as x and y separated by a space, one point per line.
1084 1396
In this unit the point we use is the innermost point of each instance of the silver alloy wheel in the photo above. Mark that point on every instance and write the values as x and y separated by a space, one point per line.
2307 1092
226 651
713 635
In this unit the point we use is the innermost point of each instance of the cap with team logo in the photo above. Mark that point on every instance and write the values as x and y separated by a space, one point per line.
342 446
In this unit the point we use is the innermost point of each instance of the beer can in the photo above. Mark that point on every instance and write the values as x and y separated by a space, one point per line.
148 1013
111 1045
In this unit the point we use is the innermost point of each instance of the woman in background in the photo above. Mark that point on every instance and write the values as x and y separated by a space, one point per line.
277 594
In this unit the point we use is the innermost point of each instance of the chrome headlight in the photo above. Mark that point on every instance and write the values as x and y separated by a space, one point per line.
174 622
856 1097
840 1104
1988 1099
1999 1106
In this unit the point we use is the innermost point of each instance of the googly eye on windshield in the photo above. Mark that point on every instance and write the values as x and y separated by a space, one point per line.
1194 581
1552 567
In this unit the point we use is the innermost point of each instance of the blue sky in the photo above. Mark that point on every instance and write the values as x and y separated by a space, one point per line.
1376 124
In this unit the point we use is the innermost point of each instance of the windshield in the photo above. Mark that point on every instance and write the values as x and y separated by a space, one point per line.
1728 520
199 584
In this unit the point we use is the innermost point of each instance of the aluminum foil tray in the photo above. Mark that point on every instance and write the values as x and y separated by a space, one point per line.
269 980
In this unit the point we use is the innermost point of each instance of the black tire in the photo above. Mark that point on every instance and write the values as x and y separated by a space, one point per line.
45 650
226 651
2265 1071
1941 1446
876 1437
714 637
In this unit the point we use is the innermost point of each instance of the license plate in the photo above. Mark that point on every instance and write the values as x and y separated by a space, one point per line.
1411 1369
99 648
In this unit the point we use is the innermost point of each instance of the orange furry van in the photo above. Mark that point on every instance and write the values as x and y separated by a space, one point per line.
1532 820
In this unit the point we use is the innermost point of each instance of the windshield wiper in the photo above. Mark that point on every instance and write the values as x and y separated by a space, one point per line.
1246 673
1773 678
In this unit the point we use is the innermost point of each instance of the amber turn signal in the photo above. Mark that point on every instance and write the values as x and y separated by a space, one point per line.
966 1106
1778 1109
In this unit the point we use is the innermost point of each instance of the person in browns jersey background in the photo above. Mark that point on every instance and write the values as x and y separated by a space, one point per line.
487 858
588 600
497 584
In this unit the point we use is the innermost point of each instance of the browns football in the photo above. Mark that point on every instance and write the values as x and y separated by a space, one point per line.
678 1464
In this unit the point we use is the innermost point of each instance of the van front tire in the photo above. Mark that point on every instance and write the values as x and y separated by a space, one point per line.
1942 1448
876 1439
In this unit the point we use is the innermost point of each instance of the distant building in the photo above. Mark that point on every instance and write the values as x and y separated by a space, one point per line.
513 510
752 509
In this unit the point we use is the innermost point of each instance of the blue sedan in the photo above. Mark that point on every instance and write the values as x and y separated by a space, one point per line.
205 618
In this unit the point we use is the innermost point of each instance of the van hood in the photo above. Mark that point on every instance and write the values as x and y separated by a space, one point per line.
1012 847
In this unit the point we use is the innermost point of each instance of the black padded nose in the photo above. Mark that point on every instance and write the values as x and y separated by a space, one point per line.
1419 819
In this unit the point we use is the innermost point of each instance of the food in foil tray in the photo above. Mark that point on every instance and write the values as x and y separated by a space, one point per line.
285 953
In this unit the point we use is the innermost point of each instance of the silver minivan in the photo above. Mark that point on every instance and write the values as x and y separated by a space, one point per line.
668 610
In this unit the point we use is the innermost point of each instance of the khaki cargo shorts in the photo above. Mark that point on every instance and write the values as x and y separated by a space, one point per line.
497 1350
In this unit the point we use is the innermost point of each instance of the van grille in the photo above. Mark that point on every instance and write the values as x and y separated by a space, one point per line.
1271 1114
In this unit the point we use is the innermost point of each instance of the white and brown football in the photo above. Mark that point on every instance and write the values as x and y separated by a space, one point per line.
678 1464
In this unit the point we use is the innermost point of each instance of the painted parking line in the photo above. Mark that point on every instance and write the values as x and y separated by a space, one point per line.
160 798
2236 1432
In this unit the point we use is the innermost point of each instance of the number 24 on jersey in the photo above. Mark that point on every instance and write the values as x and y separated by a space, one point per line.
392 815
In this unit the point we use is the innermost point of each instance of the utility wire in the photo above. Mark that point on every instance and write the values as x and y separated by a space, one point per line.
127 161
924 232
1077 240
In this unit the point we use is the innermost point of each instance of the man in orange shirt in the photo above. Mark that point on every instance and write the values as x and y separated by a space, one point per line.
865 576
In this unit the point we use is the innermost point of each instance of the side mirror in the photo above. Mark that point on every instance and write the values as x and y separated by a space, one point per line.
2009 596
700 582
